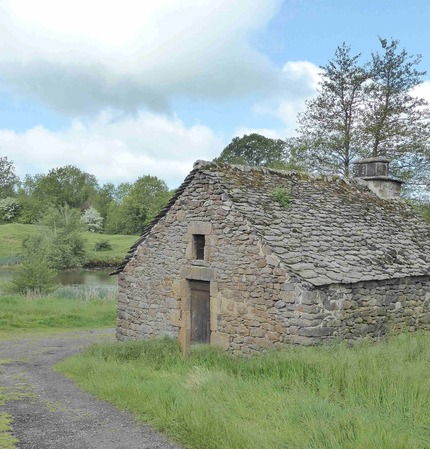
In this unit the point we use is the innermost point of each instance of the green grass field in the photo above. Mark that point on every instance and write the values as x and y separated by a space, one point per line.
363 397
12 235
19 314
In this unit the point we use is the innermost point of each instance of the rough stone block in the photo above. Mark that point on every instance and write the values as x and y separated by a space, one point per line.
315 331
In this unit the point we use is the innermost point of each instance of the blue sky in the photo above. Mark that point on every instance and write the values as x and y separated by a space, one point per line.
126 88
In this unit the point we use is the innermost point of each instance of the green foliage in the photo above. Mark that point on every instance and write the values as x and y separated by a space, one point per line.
281 196
254 149
360 397
65 243
9 209
8 178
139 206
103 198
367 109
12 235
35 274
32 206
66 185
92 219
422 208
103 245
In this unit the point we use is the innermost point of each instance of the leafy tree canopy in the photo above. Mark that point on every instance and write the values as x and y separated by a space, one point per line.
66 185
65 244
8 178
254 149
367 109
139 204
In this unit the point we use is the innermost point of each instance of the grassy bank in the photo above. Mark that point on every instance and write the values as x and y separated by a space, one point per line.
368 396
120 245
12 235
19 315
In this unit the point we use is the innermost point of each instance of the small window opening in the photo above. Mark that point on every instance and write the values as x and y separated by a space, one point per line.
199 246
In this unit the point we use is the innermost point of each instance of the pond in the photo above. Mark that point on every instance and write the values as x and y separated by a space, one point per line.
71 277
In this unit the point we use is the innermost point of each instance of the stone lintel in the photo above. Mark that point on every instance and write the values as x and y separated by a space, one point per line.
200 227
198 273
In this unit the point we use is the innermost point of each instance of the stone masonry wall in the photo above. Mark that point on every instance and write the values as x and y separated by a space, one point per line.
355 311
373 309
248 287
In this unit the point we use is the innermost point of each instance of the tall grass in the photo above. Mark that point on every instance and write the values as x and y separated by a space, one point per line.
86 292
362 397
19 313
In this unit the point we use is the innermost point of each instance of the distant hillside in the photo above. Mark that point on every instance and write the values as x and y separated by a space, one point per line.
12 235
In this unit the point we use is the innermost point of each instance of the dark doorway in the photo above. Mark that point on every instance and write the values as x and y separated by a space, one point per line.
200 312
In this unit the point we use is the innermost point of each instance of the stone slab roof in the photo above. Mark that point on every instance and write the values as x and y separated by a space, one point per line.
332 231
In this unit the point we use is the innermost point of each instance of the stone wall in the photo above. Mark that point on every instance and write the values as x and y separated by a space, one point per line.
373 309
355 311
247 284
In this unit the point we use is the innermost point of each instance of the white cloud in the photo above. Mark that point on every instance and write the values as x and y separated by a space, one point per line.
301 80
83 56
422 90
114 149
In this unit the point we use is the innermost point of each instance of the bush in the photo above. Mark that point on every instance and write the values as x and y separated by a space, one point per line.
9 209
93 220
66 248
103 245
34 275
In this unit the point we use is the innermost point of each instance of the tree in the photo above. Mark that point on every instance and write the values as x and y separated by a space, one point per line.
105 195
31 206
147 196
35 274
67 185
329 140
396 122
9 209
8 178
92 219
65 244
367 109
254 149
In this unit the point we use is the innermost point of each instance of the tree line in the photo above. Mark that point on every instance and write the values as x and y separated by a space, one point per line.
115 209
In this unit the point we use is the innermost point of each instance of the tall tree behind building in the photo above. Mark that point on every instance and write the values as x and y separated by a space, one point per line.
367 109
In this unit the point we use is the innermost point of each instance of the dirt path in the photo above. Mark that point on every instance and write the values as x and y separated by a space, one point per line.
49 411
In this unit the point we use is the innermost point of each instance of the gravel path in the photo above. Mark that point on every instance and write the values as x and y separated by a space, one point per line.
49 411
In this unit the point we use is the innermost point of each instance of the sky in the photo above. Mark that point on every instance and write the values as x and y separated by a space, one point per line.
123 89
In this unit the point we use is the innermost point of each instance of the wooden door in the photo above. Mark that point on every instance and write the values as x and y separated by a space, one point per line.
200 312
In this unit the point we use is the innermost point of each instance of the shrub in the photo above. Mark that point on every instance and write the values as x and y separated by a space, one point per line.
103 245
35 274
9 209
92 218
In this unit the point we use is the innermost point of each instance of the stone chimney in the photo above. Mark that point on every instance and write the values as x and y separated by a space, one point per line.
373 172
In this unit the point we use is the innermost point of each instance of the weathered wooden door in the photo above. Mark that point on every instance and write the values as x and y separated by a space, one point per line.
200 312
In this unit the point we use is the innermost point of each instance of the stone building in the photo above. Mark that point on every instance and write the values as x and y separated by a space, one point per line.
250 258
